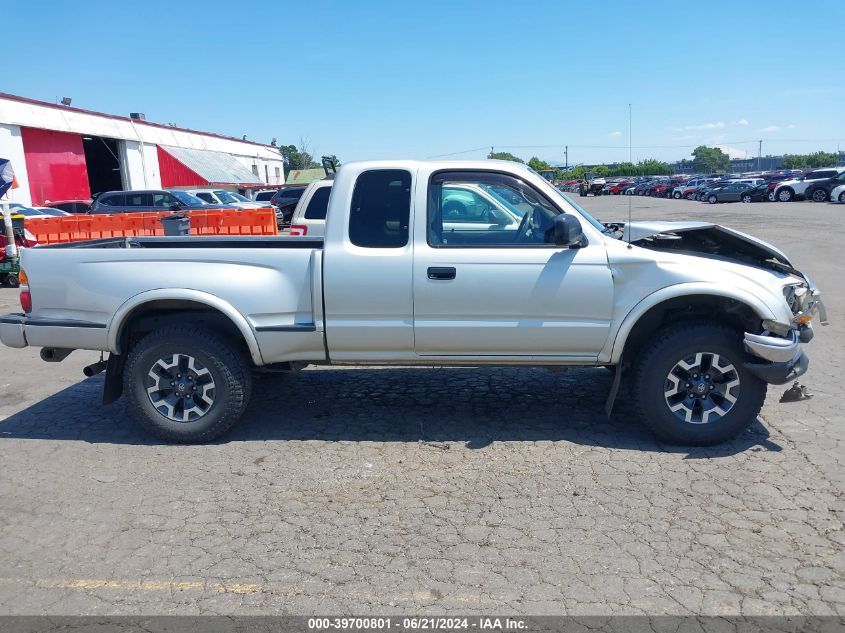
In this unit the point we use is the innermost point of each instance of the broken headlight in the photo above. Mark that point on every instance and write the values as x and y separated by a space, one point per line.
796 296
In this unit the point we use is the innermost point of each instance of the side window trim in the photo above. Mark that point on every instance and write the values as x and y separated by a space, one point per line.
434 200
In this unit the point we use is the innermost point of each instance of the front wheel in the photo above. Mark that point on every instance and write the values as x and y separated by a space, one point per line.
712 199
690 386
186 385
12 280
677 195
771 196
785 195
842 197
819 195
746 198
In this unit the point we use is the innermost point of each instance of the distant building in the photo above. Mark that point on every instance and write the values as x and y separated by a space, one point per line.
63 153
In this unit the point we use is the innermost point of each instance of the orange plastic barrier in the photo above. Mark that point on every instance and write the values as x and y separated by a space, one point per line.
76 228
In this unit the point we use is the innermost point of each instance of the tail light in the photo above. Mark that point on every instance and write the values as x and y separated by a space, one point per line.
26 298
298 230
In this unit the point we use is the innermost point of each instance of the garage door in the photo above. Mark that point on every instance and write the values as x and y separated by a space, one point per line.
55 164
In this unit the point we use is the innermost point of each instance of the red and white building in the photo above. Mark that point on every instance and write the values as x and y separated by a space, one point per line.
63 153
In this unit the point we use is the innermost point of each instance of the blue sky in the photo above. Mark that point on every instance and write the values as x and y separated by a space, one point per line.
414 80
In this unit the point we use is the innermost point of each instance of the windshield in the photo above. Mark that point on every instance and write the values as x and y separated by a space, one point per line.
187 198
240 198
225 196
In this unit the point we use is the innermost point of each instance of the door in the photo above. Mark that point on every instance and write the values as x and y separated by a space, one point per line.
505 289
367 271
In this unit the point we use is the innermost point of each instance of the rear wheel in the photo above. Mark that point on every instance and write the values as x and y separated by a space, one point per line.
690 386
12 280
842 197
712 199
819 195
677 195
746 198
786 195
771 196
186 384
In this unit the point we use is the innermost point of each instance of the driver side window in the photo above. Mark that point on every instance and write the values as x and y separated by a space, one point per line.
487 209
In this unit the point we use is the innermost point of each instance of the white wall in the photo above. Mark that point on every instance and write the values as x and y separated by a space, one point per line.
61 119
11 147
140 169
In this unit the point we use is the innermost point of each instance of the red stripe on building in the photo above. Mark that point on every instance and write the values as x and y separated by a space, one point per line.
177 174
55 165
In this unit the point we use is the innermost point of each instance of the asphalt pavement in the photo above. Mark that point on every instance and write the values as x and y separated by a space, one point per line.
433 490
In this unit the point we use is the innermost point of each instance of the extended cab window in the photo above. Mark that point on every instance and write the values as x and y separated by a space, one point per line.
138 200
485 209
381 209
318 204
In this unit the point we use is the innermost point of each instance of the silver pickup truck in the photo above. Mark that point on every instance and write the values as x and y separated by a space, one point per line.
422 263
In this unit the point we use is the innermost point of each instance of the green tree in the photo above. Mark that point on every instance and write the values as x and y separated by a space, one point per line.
505 156
652 167
601 170
795 161
298 157
710 159
538 165
822 159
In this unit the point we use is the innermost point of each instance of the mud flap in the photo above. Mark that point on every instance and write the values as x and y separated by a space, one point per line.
614 389
113 385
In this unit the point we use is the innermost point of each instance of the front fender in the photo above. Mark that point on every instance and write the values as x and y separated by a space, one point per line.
612 352
183 294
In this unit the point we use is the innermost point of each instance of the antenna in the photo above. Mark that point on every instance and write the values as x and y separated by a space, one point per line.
629 160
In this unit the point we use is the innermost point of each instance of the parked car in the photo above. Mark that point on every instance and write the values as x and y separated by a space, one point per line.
140 201
309 215
716 316
286 199
226 198
264 195
31 213
821 190
618 188
50 211
686 189
731 192
838 194
71 206
789 190
757 193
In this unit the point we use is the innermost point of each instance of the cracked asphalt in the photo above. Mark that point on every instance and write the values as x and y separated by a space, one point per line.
422 491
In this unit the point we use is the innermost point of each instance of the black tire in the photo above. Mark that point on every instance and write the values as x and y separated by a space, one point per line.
229 369
651 371
819 195
677 195
785 195
12 280
746 198
842 197
771 196
712 199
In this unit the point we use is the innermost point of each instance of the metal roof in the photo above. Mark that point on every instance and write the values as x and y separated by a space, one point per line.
215 167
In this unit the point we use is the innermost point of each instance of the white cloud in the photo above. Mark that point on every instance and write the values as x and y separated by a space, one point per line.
616 133
706 126
770 128
733 152
791 126
740 122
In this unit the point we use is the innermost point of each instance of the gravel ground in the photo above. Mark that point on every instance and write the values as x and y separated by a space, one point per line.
432 490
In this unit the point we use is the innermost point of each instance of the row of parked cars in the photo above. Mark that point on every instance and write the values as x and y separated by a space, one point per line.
818 185
283 200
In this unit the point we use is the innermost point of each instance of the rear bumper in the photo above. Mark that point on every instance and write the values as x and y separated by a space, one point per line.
12 331
19 330
784 360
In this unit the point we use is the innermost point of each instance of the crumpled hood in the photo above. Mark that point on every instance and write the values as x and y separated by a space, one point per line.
659 231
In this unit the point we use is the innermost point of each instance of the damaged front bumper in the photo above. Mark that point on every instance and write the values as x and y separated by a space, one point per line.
784 359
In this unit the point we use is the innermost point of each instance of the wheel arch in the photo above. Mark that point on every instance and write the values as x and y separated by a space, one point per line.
163 303
687 302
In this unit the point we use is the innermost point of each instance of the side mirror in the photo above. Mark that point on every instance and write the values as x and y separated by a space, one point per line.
568 230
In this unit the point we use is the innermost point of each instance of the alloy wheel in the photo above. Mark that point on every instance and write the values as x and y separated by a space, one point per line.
701 388
180 387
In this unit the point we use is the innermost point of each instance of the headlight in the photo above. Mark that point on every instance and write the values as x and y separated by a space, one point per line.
796 296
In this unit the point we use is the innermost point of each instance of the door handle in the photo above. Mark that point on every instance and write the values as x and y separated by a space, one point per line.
439 273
